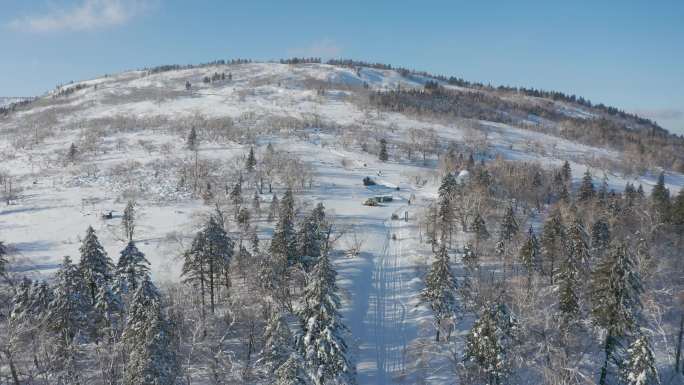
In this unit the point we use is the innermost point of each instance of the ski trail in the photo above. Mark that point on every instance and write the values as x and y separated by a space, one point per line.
388 306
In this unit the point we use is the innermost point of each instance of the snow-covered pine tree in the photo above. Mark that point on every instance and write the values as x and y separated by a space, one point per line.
600 237
251 161
3 259
278 342
194 269
586 191
128 221
311 236
283 246
566 172
273 208
108 308
508 230
576 246
192 136
488 343
640 367
616 288
530 254
322 342
383 156
68 311
574 269
131 268
480 228
236 197
552 243
660 196
256 205
440 290
95 265
150 340
217 251
291 372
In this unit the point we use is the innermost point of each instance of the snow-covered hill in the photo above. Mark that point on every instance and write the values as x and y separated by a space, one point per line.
130 130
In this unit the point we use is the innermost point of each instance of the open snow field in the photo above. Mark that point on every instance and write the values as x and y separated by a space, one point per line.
380 287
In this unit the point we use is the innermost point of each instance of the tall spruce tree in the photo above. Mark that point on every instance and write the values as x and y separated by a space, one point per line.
322 342
3 259
616 288
68 312
311 236
586 191
278 342
383 156
291 372
191 141
95 265
440 290
530 254
217 251
660 196
566 172
600 237
131 269
640 366
128 221
283 244
488 343
552 243
251 161
508 230
150 339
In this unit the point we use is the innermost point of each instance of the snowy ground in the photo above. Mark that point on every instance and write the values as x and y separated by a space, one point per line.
380 286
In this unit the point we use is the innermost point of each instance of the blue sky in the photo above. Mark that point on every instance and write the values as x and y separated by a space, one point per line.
629 54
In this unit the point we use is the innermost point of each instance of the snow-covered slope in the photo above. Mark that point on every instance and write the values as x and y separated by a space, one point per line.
140 120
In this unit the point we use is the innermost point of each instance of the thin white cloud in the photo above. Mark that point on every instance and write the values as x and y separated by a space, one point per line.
86 15
324 48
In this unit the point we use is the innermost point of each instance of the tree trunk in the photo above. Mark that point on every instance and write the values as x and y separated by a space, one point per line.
604 368
678 354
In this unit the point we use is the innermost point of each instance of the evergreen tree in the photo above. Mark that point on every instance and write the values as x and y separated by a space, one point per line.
660 196
283 244
440 290
256 205
600 236
131 269
677 214
273 208
616 287
128 221
150 339
68 312
3 259
95 265
566 172
311 236
489 341
509 228
192 138
278 342
73 153
530 254
322 342
236 197
640 366
480 228
291 372
194 269
217 253
251 160
552 243
586 191
383 156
